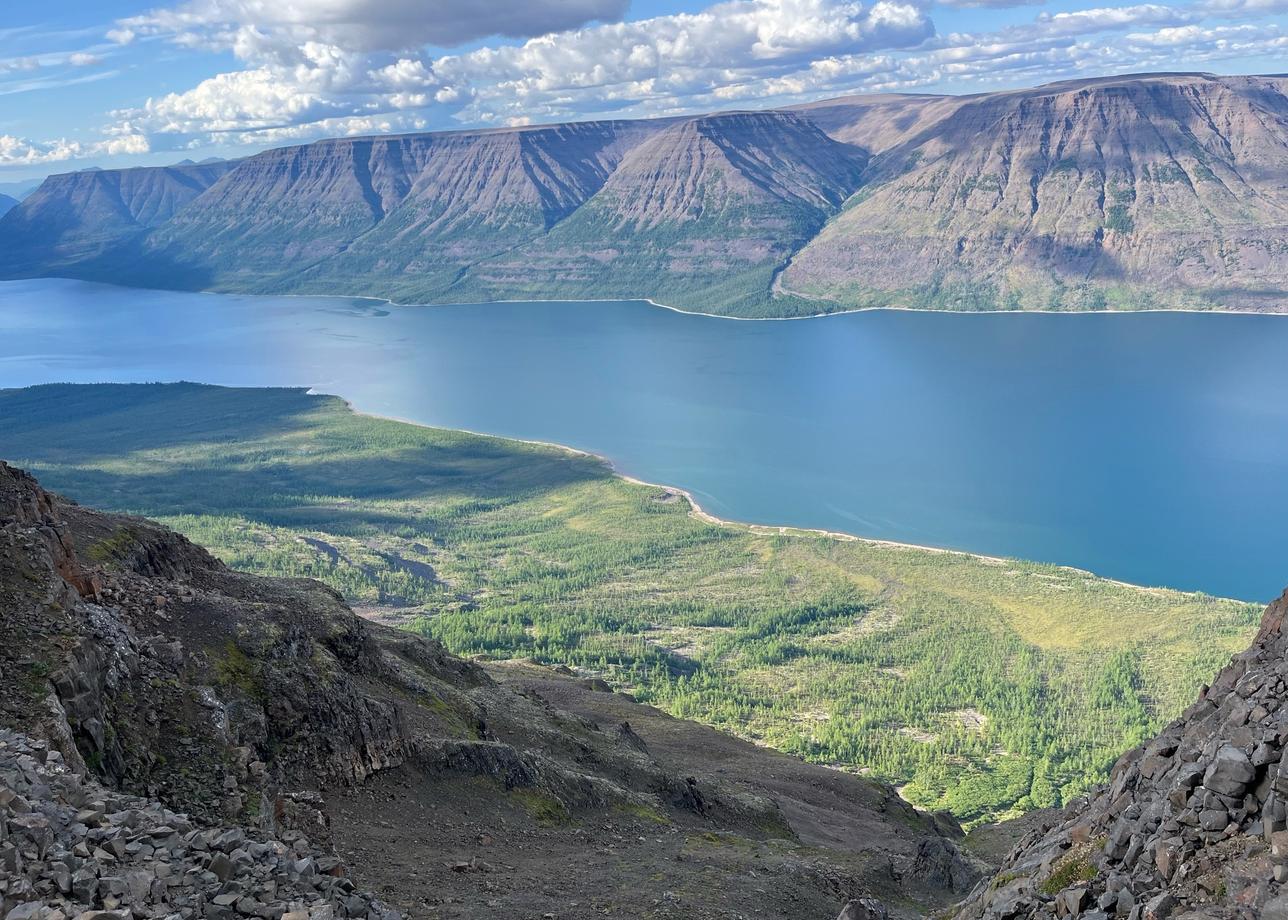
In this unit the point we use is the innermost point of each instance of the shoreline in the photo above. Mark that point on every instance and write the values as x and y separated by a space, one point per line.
698 512
663 306
758 319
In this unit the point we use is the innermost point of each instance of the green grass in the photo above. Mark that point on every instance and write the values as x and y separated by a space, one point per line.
983 686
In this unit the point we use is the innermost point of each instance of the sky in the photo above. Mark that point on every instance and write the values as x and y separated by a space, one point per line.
102 83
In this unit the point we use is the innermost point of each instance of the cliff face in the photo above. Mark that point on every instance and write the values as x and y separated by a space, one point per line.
131 658
74 219
1157 190
1134 192
1193 824
406 209
706 209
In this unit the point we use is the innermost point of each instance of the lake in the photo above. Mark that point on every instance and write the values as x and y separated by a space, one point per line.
1151 448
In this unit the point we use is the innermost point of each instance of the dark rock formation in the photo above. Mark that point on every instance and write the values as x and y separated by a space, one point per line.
1193 824
71 848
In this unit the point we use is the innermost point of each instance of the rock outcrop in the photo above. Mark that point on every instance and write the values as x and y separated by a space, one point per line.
70 848
1193 824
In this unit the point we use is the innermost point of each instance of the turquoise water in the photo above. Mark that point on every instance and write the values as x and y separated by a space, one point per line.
1150 447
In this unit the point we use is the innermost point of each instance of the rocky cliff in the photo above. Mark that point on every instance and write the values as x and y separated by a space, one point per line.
412 210
707 210
195 741
1160 190
75 221
1193 824
1132 192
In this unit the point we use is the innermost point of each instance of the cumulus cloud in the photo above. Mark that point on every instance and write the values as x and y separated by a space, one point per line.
312 68
642 66
17 151
367 25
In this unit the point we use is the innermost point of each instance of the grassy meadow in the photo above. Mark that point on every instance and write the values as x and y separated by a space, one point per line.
983 686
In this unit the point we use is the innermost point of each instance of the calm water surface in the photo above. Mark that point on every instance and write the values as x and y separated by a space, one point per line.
1149 447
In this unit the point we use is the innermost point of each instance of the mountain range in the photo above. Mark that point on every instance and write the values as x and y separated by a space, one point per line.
1160 190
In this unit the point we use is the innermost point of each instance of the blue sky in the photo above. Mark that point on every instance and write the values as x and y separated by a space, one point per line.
121 82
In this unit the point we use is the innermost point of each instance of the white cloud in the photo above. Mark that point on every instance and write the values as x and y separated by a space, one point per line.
313 68
16 151
639 67
369 25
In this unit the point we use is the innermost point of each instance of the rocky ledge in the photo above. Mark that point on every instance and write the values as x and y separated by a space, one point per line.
70 848
1192 825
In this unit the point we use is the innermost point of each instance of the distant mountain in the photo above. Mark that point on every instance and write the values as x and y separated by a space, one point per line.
79 222
1131 192
702 213
21 189
1159 190
404 215
7 204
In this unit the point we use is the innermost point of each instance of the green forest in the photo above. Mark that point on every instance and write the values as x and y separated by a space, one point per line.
984 686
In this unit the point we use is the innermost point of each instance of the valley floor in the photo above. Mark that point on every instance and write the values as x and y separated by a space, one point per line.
983 686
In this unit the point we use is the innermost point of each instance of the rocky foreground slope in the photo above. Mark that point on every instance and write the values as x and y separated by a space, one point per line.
1161 190
1192 825
181 740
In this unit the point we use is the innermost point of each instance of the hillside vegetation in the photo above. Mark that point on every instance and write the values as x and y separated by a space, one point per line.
1124 193
980 685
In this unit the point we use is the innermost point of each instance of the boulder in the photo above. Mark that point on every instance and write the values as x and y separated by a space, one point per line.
1230 772
864 909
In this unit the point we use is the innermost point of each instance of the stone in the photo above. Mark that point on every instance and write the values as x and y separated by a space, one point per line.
28 911
1213 819
1276 908
1230 772
1071 901
864 909
221 866
1159 907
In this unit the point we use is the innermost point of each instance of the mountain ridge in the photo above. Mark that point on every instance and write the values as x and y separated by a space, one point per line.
1119 192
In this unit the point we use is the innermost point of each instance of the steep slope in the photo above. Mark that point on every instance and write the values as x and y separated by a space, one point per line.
267 706
7 204
705 211
401 213
74 219
878 121
71 845
1192 824
1162 190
